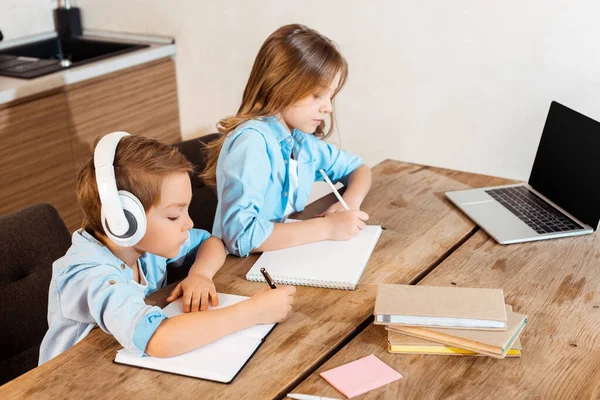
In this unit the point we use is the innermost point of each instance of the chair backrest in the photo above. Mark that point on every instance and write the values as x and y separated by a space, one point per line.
30 241
204 198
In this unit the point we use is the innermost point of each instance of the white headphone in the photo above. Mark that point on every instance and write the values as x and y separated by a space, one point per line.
123 216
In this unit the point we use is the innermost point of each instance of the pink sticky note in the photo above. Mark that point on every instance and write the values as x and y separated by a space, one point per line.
360 376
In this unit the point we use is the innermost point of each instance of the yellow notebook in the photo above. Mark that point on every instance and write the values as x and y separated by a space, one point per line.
404 344
491 343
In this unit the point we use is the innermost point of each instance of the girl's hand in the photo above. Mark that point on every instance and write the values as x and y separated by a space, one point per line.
196 290
345 225
334 208
273 305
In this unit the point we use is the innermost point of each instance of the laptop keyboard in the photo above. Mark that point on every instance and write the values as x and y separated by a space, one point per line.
532 210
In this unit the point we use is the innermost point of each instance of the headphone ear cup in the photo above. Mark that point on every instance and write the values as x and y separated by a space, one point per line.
136 217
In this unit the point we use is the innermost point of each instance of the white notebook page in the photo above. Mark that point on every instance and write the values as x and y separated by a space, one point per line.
218 361
332 264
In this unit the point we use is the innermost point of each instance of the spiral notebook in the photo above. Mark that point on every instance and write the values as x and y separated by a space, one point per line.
219 361
329 264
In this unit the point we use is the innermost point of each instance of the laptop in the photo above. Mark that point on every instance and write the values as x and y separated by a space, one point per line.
562 197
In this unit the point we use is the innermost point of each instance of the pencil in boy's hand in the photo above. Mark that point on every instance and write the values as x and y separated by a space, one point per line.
268 278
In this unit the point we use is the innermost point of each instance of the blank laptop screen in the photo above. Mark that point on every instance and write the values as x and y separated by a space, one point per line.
567 164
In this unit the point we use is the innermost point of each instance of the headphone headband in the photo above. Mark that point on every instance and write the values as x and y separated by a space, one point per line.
104 156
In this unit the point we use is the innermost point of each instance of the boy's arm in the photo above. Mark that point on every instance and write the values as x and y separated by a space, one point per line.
209 258
101 294
187 332
198 286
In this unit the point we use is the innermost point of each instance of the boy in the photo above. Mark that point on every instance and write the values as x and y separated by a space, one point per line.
102 281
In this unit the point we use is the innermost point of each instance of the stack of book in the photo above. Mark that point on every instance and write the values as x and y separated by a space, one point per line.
448 321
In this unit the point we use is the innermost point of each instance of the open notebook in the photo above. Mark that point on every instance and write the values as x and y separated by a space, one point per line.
219 361
329 264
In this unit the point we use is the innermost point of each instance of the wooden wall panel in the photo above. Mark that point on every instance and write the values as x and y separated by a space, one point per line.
44 141
36 159
141 101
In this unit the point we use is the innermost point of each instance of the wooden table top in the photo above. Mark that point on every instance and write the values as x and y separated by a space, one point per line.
421 228
556 283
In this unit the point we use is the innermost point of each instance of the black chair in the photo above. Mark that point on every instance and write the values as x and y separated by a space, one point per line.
31 240
204 199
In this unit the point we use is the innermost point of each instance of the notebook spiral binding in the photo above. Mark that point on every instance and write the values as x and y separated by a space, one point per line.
301 282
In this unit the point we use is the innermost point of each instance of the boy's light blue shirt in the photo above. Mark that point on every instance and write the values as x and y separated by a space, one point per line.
253 179
91 287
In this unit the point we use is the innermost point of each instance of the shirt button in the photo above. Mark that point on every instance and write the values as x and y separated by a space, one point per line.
288 139
122 266
286 162
285 194
112 282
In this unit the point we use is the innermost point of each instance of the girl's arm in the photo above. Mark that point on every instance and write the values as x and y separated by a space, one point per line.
336 226
187 332
295 234
359 184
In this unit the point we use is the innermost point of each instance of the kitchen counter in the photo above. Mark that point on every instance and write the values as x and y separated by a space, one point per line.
13 89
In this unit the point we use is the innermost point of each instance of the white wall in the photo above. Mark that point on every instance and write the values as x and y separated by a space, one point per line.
463 84
20 18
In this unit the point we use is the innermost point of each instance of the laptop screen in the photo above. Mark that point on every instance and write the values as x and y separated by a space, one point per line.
566 168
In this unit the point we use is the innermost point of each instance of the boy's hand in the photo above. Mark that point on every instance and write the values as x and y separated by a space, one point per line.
273 305
196 290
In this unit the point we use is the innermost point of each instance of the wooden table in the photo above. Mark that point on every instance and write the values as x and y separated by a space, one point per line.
421 230
556 283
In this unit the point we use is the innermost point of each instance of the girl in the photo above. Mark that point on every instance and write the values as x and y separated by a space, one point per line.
270 154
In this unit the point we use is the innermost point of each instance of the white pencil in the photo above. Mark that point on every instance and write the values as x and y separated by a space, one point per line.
337 194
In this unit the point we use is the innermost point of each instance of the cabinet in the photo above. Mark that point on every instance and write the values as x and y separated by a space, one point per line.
44 140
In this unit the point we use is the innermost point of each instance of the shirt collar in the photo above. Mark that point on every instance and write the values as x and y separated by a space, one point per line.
281 132
86 236
82 232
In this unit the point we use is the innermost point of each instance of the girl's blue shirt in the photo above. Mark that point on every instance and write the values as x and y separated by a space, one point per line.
253 179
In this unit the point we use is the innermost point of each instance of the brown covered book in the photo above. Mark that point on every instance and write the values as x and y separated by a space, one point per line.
440 307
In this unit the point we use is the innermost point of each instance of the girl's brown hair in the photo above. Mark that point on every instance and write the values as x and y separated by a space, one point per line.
290 65
141 165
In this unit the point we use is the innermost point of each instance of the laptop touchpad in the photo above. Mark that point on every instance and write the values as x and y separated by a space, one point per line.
497 219
473 196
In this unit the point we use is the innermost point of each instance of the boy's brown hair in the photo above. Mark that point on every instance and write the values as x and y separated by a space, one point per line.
141 164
